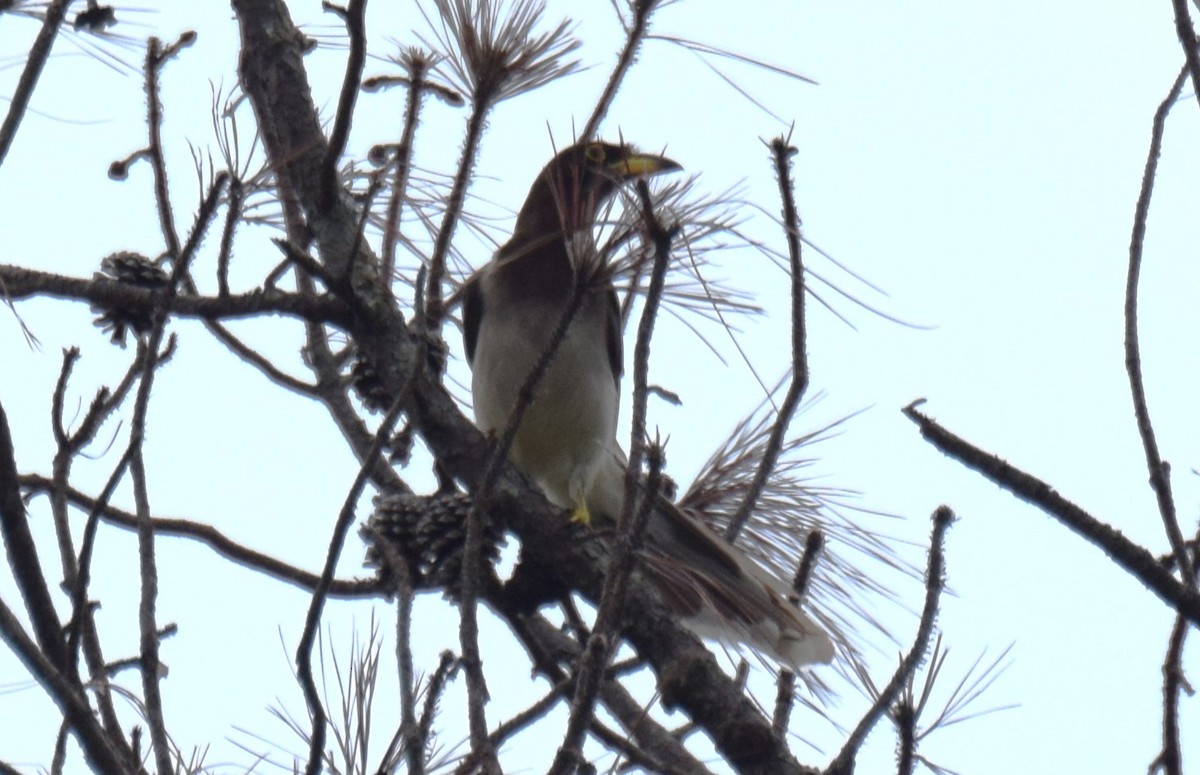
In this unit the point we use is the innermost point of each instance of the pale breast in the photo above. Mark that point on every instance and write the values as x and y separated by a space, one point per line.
572 420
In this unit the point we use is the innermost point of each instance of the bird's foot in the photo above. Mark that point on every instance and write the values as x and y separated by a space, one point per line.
582 515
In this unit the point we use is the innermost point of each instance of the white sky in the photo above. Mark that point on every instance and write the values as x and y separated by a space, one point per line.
979 162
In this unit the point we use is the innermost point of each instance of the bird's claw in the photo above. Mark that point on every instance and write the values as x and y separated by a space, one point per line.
581 515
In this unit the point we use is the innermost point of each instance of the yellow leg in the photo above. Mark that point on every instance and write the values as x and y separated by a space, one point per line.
581 514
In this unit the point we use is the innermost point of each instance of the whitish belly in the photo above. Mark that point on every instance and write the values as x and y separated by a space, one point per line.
567 429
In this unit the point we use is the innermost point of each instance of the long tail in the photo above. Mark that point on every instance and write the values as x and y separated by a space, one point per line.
718 591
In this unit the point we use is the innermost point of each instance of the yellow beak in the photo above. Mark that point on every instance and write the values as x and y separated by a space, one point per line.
637 165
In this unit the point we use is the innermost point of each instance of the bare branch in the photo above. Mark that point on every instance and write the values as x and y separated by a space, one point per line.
76 570
1170 760
35 60
341 528
1132 558
1187 38
547 644
409 735
155 58
418 64
496 55
21 283
101 751
785 688
635 35
354 17
23 556
935 581
634 513
782 152
211 537
1159 470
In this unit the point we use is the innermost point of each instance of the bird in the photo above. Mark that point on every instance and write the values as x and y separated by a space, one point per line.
566 441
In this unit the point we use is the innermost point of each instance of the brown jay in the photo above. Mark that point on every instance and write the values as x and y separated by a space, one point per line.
566 441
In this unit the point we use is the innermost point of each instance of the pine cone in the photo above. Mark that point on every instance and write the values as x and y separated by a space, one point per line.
429 533
132 269
367 384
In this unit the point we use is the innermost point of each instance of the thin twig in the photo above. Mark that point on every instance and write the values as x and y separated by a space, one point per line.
147 563
81 620
233 216
546 645
23 556
154 60
22 283
1170 761
101 751
204 218
634 513
409 735
481 105
1132 558
82 627
337 541
785 695
269 370
785 683
813 545
418 67
214 539
904 716
1187 38
473 542
634 37
35 60
782 152
354 17
516 723
447 667
1159 470
935 581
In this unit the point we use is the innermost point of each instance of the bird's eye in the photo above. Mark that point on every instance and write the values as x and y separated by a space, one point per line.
595 153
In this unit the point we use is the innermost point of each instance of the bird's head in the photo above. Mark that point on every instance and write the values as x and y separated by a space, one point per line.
567 195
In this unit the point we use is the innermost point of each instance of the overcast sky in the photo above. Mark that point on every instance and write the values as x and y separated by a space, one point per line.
977 162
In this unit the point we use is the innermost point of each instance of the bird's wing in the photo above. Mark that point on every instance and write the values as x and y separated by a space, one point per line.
715 588
615 338
472 315
728 595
